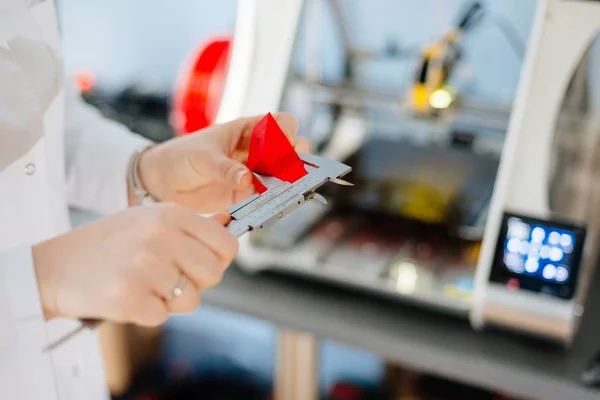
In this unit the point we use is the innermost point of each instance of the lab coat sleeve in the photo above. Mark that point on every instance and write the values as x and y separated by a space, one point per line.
21 312
97 152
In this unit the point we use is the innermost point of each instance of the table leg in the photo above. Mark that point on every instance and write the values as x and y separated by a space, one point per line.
296 376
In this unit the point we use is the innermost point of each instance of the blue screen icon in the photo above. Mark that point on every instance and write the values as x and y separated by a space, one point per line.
538 250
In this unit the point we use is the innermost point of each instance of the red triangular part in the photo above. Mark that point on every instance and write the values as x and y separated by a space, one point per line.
272 154
260 188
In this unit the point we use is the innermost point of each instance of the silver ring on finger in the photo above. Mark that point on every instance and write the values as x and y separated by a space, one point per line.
178 289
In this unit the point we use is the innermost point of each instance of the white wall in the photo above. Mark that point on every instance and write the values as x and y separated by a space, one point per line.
138 39
149 39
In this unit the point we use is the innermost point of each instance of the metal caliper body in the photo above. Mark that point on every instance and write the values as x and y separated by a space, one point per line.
281 198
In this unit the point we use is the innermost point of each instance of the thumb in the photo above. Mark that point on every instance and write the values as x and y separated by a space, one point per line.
222 218
232 173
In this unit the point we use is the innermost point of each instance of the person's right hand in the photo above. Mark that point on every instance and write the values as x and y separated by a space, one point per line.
124 268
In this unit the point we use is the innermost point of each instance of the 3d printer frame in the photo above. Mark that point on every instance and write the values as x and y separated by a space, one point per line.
260 70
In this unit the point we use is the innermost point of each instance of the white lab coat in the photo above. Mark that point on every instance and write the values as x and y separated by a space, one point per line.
54 151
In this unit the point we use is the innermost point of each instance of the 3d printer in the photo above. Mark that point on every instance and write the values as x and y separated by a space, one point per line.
432 172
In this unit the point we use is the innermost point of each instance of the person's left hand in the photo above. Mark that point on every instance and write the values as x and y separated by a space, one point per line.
205 171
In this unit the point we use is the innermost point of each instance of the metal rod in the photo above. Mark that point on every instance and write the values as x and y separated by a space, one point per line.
342 27
92 324
351 95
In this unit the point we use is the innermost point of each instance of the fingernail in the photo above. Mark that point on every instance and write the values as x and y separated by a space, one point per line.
239 175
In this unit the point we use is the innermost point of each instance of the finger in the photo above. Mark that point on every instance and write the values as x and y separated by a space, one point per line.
222 218
241 195
302 145
202 267
187 302
162 274
217 166
213 234
152 312
288 124
206 199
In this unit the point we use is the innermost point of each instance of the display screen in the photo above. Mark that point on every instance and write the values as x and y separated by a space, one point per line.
539 256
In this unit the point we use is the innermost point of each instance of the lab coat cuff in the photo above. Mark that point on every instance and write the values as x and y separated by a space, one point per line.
99 181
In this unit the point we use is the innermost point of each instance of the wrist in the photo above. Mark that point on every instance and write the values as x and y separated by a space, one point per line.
142 180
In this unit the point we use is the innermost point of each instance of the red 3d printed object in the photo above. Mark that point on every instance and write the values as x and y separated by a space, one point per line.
272 154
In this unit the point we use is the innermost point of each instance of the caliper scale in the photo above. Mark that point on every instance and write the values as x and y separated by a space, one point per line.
281 198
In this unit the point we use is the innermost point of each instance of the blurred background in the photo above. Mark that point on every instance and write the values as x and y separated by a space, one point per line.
128 58
151 40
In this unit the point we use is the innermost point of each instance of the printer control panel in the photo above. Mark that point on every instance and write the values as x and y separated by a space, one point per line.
538 256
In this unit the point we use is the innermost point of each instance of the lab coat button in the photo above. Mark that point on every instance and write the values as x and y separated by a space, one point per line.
30 169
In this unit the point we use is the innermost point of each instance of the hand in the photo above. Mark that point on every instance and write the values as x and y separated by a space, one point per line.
124 268
205 171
